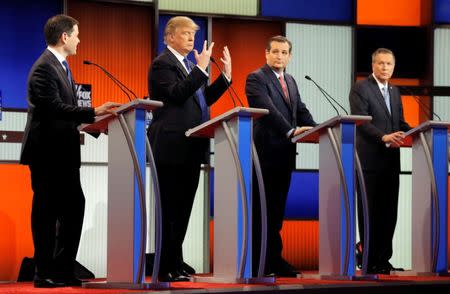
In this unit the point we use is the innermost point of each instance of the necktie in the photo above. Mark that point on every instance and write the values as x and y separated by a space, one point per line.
199 93
387 98
68 72
285 90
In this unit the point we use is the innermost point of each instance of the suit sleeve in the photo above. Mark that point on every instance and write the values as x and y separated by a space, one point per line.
47 98
258 97
359 105
214 91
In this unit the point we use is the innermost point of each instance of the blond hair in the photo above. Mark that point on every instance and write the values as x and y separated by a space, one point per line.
178 22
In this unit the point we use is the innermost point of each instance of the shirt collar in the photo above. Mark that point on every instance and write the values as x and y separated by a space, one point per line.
380 85
57 54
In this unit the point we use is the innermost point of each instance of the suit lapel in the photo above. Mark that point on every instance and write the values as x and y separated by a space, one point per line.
62 75
394 103
378 96
182 70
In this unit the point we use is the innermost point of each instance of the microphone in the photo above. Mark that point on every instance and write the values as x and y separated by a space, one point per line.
325 94
118 83
421 104
228 83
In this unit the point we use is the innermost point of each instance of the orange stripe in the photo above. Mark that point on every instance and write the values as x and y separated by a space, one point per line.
396 13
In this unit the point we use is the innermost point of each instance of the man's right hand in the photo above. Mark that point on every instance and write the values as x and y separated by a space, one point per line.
107 108
394 139
300 130
204 57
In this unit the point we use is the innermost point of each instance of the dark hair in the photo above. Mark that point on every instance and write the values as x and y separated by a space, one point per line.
57 25
382 51
279 39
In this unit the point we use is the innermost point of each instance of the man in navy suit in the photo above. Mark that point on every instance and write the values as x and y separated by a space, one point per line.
270 87
51 148
377 143
184 89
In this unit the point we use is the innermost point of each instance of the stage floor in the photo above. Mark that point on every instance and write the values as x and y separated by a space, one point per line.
385 284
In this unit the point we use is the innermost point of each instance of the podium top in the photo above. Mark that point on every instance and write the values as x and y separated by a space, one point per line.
207 128
100 124
430 124
312 136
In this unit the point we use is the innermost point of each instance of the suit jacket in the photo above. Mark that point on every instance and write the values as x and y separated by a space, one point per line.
263 90
51 136
170 83
366 99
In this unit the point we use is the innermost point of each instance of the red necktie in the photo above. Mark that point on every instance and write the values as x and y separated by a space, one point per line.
285 90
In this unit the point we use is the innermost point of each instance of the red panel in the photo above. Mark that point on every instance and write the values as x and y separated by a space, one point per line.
15 219
118 37
247 42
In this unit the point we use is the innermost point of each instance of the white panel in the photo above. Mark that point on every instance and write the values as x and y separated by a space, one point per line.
11 121
94 149
405 159
92 251
442 70
324 53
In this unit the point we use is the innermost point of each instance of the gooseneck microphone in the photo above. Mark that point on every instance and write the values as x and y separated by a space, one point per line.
229 85
422 105
116 81
327 96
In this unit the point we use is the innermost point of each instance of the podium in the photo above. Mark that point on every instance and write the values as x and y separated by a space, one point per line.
429 198
337 154
127 232
233 140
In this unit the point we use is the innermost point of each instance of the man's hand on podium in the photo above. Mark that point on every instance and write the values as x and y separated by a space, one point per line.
107 108
394 140
300 130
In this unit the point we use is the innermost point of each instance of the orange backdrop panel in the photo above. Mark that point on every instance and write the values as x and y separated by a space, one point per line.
118 37
247 42
15 219
388 12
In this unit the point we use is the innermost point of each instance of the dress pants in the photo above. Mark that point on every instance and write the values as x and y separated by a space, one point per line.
382 193
276 182
56 219
178 184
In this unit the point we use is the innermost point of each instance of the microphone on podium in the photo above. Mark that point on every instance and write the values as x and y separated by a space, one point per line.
114 79
228 83
327 96
421 104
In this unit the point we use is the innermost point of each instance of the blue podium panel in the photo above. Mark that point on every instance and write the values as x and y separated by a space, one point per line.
442 11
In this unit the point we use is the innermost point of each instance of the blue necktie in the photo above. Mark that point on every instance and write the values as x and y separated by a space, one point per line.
387 98
68 72
199 93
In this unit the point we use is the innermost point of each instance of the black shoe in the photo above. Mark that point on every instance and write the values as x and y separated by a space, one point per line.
284 269
379 270
47 283
187 268
184 273
74 282
392 268
359 255
173 276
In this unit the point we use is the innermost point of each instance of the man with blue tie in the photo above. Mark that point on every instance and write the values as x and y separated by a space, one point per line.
51 148
184 89
377 143
270 87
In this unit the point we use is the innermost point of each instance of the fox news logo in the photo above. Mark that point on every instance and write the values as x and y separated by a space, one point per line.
84 95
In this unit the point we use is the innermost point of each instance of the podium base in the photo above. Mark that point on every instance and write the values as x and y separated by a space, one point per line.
422 274
129 286
338 277
232 280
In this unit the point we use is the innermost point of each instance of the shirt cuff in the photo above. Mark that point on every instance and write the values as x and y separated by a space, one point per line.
290 133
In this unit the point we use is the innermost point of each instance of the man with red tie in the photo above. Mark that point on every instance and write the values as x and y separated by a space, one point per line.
270 87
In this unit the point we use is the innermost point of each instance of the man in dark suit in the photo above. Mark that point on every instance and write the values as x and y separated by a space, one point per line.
270 87
183 88
51 148
377 144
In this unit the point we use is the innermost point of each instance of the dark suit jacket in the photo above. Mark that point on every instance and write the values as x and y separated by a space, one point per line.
263 90
170 83
51 136
366 99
